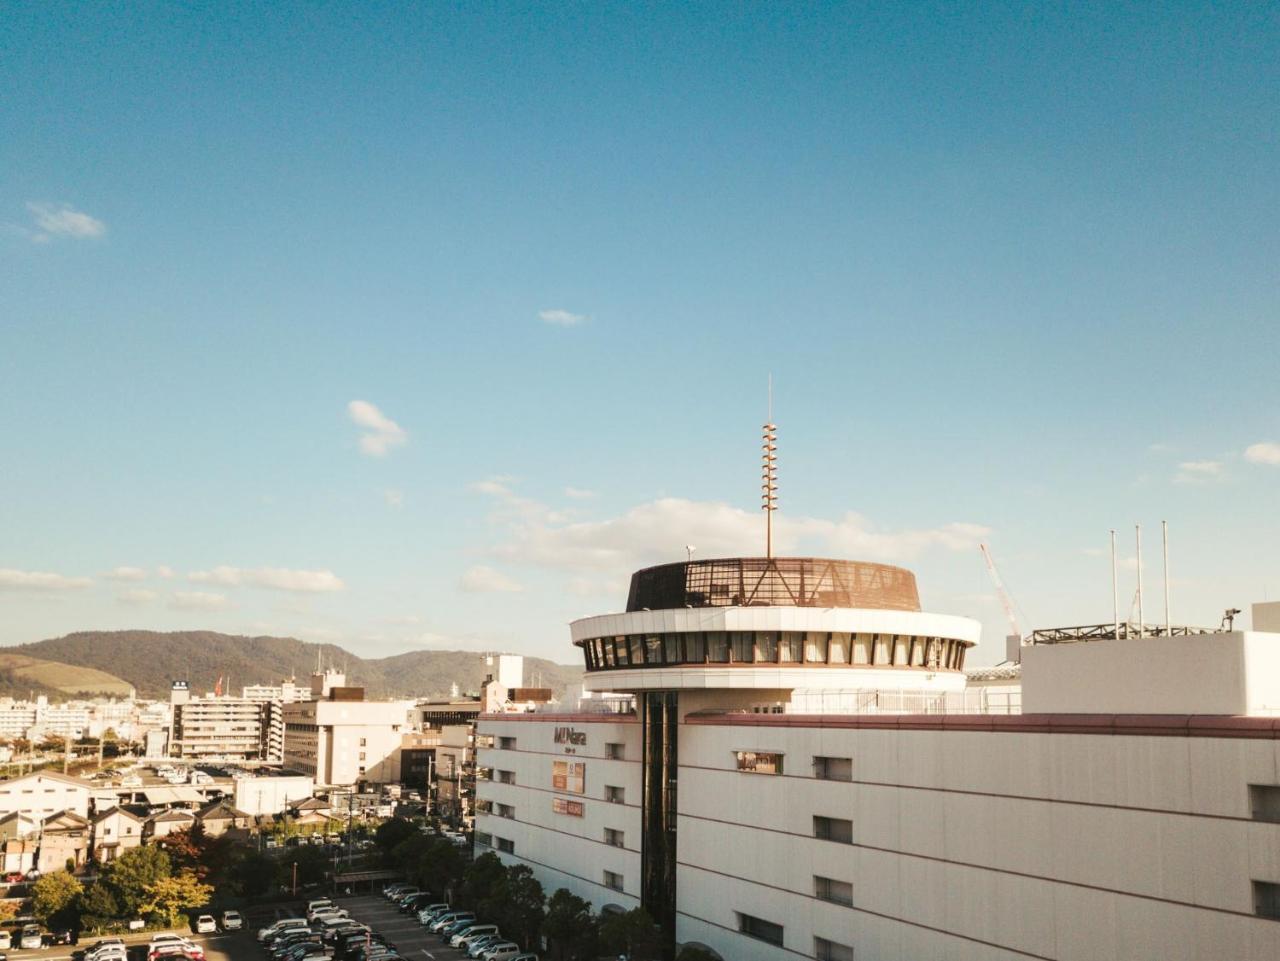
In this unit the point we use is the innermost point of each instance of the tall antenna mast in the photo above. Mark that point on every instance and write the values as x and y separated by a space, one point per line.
769 475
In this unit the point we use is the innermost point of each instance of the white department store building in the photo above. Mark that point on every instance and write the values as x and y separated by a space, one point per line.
803 775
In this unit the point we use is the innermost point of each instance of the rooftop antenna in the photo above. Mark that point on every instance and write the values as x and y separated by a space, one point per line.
1168 629
1115 590
689 549
769 475
1142 624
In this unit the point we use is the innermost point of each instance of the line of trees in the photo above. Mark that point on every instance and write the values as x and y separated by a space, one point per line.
142 883
512 898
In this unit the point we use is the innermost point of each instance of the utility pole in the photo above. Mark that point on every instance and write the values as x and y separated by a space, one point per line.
66 752
1115 590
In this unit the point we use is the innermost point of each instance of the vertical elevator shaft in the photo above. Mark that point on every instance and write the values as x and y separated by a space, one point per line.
659 713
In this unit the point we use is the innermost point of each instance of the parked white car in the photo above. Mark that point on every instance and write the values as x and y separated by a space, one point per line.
270 929
205 924
232 921
30 937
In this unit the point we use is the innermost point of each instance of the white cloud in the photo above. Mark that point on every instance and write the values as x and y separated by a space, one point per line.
1266 452
164 571
658 530
63 220
579 493
198 601
381 432
13 580
393 498
561 318
1198 471
137 596
127 574
486 580
272 578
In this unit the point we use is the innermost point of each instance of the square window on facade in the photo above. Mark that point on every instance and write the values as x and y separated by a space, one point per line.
1266 899
1264 802
824 950
614 837
613 881
615 752
829 889
758 762
760 929
614 794
833 829
833 768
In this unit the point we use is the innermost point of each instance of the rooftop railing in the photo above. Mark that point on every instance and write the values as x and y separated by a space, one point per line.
857 702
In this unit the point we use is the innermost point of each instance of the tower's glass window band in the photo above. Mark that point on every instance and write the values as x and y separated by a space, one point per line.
828 648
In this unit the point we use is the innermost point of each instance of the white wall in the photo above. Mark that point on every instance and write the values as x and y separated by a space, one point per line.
563 850
1211 674
981 844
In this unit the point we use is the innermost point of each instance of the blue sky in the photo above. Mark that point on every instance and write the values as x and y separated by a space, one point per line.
1012 267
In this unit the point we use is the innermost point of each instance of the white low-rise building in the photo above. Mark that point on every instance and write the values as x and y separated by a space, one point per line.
805 776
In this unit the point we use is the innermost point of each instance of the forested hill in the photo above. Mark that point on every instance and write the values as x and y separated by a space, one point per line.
151 661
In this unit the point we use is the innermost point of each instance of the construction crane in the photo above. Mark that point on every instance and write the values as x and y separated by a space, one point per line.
1005 600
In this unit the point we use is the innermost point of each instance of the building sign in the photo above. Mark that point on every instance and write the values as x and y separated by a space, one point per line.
567 735
569 776
561 805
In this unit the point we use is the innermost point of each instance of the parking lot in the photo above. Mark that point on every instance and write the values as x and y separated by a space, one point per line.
412 941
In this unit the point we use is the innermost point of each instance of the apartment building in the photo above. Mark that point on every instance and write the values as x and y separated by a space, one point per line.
341 739
222 728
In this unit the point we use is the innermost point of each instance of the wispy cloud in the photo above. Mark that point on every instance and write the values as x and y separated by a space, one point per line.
1265 452
164 571
561 318
198 601
486 580
57 221
127 574
393 498
533 534
42 581
579 493
381 433
136 597
271 578
1198 472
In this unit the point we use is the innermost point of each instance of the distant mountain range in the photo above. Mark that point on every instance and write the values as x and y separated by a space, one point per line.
109 662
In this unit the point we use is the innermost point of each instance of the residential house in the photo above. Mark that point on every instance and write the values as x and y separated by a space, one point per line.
64 839
167 822
18 825
114 832
221 817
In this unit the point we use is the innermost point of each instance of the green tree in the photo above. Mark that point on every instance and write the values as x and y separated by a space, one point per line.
633 933
254 874
570 927
392 832
313 865
169 898
516 903
99 907
441 867
695 952
55 899
132 872
483 877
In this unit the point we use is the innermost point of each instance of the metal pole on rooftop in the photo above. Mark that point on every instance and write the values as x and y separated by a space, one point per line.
1115 590
1164 527
1137 528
